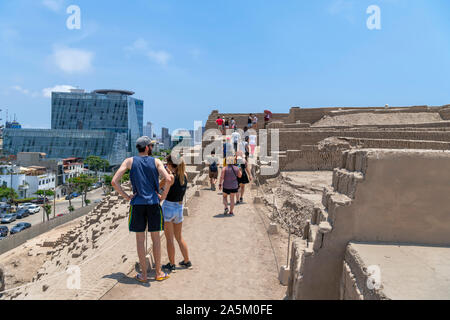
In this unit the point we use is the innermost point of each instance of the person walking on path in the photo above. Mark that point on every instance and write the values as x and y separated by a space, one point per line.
245 179
249 121
246 133
267 118
145 210
235 137
213 170
227 124
252 142
173 213
233 124
227 150
245 147
229 184
255 122
219 123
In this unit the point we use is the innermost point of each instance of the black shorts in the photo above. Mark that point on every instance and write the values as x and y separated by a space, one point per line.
230 191
146 217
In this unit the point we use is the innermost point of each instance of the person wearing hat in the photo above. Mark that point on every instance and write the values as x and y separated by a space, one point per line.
145 210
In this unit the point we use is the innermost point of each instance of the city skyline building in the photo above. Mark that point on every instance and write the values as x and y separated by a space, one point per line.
166 138
105 123
148 130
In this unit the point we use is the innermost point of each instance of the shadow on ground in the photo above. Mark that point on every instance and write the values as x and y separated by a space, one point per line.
124 279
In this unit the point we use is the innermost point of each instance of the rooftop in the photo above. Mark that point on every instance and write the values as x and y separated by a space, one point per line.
114 91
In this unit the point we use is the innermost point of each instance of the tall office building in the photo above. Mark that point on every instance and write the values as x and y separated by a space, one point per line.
166 138
148 130
105 123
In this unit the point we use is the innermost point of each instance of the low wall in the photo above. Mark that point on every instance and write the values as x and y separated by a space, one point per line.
294 139
378 195
426 125
445 113
312 115
396 144
311 159
18 239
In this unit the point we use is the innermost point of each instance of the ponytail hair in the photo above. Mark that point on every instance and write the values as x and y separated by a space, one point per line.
180 168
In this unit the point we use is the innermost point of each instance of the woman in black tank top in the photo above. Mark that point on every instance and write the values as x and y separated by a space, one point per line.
173 213
177 190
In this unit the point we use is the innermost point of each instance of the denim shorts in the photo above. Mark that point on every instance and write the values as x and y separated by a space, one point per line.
172 212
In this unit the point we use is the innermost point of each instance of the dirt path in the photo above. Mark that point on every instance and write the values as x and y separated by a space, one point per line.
232 258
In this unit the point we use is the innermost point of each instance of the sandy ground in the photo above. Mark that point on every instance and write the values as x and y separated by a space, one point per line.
98 244
233 257
378 119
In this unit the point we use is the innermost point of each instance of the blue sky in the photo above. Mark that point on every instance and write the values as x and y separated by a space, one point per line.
185 58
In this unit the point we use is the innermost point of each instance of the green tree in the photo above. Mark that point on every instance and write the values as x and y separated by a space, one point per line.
107 186
81 184
42 193
8 193
47 210
125 177
96 164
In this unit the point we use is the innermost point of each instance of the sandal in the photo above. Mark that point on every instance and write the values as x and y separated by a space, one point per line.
166 276
138 277
226 211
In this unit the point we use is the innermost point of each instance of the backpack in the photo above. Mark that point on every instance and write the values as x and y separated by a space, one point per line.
213 167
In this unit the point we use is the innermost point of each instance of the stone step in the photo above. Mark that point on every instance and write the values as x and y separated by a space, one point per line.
354 160
345 181
332 200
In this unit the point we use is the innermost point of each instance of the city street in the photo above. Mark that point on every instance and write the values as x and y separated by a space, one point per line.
62 207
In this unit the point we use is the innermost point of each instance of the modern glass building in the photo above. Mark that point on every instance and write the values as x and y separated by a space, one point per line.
104 122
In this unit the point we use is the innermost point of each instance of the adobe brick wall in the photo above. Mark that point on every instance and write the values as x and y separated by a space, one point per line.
378 195
294 139
445 113
396 144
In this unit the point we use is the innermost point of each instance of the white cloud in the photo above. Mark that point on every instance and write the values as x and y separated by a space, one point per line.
24 91
21 90
47 92
141 46
160 57
54 5
72 60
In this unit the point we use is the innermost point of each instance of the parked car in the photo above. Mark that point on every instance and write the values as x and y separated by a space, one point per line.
24 205
22 213
4 231
20 227
40 201
60 215
69 197
9 218
4 206
34 209
76 194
